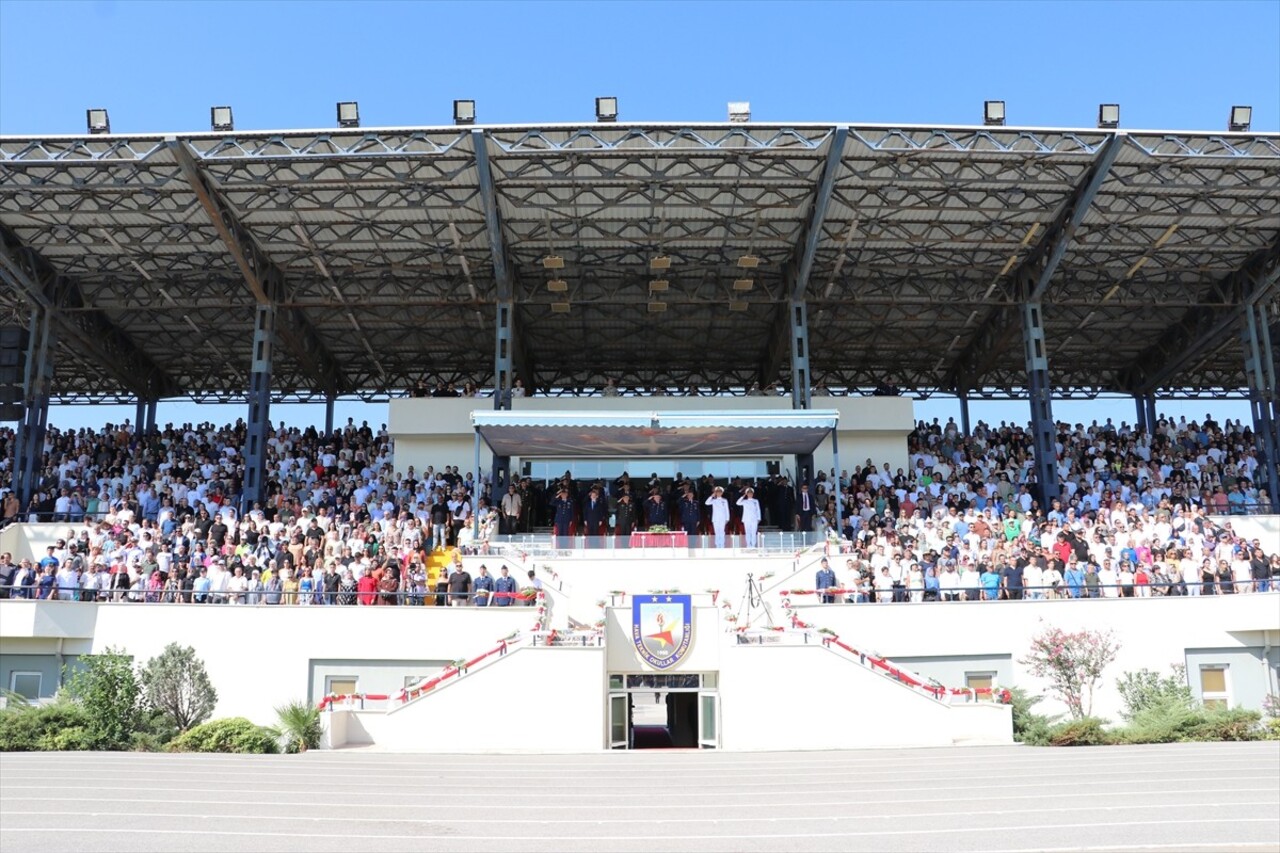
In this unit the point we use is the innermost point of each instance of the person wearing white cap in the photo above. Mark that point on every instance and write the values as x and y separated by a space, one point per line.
750 514
719 513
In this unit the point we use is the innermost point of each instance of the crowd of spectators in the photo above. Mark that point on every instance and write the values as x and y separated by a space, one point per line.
155 517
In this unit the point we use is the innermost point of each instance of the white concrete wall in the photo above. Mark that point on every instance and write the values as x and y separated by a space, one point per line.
29 541
533 700
258 657
1153 632
809 697
438 431
589 580
703 654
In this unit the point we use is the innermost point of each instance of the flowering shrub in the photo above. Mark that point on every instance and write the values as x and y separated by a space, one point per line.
1073 663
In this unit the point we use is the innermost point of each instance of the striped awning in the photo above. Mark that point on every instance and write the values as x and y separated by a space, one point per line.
533 434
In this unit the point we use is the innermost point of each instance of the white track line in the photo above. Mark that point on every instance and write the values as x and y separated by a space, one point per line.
485 821
642 839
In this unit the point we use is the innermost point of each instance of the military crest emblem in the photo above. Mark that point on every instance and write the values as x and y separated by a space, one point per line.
662 628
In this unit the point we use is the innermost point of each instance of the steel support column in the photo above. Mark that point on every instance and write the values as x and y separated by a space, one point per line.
329 400
503 382
29 452
1040 391
798 331
153 406
964 416
1264 399
835 463
798 316
1151 411
1140 404
504 341
140 416
255 470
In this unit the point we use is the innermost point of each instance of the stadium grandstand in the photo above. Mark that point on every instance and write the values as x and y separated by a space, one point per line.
732 306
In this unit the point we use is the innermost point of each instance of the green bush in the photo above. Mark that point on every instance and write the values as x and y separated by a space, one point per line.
1271 731
1174 722
1086 731
34 728
1167 720
1029 727
74 739
1227 724
233 734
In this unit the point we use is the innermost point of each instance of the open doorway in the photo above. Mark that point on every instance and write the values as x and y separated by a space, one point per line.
664 720
664 711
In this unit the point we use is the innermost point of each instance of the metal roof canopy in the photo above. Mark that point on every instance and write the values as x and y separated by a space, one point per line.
534 434
387 249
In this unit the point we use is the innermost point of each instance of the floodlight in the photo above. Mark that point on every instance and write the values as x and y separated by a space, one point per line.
553 262
98 121
657 307
557 285
220 119
744 284
464 112
738 305
748 261
1241 118
606 109
740 111
659 285
1108 115
348 114
993 113
661 262
559 307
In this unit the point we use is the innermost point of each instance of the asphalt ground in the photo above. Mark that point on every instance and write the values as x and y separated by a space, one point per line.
1183 797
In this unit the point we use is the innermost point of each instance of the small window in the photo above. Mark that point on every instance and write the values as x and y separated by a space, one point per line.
340 685
1213 687
615 682
980 681
26 684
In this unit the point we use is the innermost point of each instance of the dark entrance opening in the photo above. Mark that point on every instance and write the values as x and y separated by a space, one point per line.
664 720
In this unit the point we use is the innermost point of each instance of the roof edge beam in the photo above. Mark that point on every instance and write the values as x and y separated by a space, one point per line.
821 201
1200 328
1002 324
489 197
90 330
264 278
1061 233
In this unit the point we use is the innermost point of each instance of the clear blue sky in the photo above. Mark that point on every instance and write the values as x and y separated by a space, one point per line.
160 66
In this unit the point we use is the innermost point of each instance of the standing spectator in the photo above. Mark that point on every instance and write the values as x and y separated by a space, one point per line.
459 586
825 580
504 588
484 587
720 515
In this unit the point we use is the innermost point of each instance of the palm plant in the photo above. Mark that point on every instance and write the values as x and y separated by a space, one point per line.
299 726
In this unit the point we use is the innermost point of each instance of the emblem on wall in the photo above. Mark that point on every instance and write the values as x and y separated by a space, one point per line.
662 628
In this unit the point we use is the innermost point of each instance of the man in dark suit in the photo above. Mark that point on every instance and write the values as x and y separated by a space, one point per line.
805 508
594 510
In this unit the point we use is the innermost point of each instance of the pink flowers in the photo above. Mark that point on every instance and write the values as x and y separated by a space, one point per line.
1073 663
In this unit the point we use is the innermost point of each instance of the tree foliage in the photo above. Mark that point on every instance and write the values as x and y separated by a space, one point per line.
1073 662
176 684
111 696
1146 689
